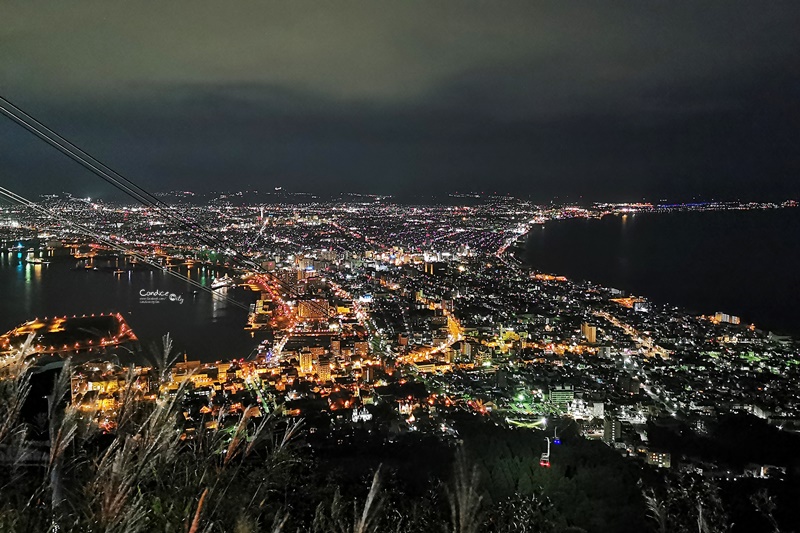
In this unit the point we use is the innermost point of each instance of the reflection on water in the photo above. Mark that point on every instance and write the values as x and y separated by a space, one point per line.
745 263
37 271
205 326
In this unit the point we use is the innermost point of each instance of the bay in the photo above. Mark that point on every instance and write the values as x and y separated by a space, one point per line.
202 326
745 263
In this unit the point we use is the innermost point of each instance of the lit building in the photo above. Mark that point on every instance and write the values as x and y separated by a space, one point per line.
361 415
315 309
482 355
435 268
316 350
726 318
287 278
361 348
425 367
306 361
324 369
590 332
659 459
562 394
612 430
368 373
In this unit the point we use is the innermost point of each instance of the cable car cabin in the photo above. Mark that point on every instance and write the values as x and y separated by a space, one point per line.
545 460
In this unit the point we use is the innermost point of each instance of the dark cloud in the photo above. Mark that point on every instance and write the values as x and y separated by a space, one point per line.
612 101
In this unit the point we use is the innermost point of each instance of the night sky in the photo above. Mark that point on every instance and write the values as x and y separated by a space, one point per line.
577 100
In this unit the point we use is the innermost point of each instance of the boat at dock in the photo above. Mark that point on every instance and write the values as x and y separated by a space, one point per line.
225 281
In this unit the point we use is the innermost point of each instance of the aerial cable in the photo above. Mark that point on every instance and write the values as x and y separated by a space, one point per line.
108 174
112 177
115 179
105 172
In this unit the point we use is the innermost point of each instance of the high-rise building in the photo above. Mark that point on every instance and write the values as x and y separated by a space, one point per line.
324 369
590 332
612 430
368 373
435 268
288 278
467 348
306 361
361 348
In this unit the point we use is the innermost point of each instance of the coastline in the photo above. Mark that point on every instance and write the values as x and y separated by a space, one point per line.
522 250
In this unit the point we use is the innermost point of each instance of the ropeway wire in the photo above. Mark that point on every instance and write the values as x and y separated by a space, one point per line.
32 205
127 186
105 172
111 176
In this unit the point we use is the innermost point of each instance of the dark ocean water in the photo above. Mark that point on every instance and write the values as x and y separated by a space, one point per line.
745 263
205 327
